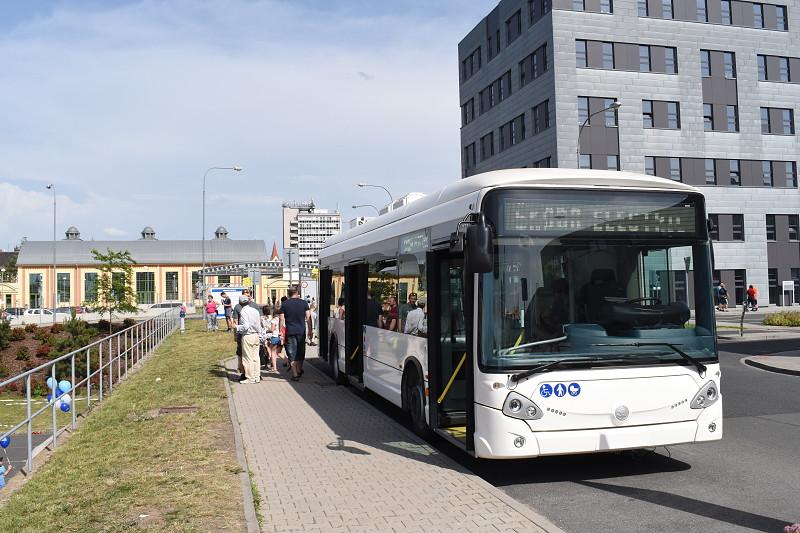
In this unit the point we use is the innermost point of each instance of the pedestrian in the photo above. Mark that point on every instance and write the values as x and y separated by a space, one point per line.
338 313
392 315
182 315
752 298
211 314
294 317
4 472
312 324
373 310
253 335
235 317
272 324
406 308
416 324
723 297
227 306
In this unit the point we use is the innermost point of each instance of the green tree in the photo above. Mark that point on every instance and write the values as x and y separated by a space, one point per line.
114 284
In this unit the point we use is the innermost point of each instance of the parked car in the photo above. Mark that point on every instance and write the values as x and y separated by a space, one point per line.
68 310
44 312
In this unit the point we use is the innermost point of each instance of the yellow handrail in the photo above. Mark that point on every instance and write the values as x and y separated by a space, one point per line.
452 378
354 353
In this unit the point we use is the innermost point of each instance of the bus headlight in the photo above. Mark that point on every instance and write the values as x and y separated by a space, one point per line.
706 396
518 406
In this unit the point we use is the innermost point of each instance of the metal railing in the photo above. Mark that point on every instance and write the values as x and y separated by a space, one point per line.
108 361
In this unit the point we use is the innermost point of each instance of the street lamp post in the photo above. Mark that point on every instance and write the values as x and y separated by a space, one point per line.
203 245
614 105
378 211
391 198
55 282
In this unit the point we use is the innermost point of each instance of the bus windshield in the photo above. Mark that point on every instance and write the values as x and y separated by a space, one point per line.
601 275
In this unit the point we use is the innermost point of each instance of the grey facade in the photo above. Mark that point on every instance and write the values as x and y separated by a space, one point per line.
710 94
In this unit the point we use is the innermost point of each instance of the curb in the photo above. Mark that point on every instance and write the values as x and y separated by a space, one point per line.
534 517
244 476
770 368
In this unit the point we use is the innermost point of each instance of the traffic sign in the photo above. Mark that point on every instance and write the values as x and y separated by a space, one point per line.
560 390
574 389
545 390
247 282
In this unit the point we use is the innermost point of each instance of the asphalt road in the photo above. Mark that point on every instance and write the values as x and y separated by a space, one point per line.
749 481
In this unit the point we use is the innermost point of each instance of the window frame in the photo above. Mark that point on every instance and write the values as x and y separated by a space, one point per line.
584 53
705 63
758 15
729 65
670 161
737 220
649 58
735 118
650 163
761 62
647 116
725 12
605 45
713 169
767 171
735 176
677 115
708 117
793 227
771 228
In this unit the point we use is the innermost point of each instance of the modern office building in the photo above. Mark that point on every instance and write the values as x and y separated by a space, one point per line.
709 93
305 229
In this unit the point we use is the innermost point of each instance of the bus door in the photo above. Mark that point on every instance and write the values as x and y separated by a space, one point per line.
449 359
324 311
355 296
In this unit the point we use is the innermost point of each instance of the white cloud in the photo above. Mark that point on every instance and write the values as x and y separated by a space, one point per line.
115 232
124 108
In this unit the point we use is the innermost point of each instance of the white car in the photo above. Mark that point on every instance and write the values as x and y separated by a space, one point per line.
37 312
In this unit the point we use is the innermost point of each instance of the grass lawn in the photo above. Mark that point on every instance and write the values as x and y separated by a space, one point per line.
127 468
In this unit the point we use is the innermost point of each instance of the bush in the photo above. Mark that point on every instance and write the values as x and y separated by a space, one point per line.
44 350
128 323
31 328
103 326
5 334
783 318
18 334
23 353
4 371
56 328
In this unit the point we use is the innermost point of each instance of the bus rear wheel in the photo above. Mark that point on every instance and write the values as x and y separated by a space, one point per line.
414 402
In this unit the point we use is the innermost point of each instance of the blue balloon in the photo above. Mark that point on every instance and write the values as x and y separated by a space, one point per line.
49 398
64 385
65 407
51 382
5 441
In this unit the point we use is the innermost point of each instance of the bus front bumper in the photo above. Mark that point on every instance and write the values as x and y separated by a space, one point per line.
498 436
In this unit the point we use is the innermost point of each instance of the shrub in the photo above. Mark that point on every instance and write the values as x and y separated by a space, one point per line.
40 389
56 328
783 318
18 334
31 328
23 353
128 322
41 334
4 371
103 326
12 387
44 350
5 334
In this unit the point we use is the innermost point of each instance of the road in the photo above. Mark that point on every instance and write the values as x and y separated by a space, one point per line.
749 481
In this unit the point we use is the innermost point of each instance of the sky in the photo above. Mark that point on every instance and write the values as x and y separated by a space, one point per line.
123 105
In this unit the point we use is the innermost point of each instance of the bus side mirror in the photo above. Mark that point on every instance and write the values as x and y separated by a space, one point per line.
479 252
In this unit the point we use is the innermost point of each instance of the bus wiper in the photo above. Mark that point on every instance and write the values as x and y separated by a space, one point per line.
701 368
544 368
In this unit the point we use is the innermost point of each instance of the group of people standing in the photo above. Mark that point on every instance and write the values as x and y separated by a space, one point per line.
409 318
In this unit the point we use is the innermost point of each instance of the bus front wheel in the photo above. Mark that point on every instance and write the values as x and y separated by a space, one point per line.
414 401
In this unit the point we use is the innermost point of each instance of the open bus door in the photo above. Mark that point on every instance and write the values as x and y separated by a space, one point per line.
450 358
355 295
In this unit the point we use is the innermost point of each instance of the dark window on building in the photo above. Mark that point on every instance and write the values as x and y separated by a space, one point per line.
487 146
469 156
765 122
606 6
666 9
610 115
650 165
581 59
608 55
670 60
512 132
780 18
583 109
766 173
725 11
762 68
713 233
675 168
774 291
641 5
732 116
647 113
705 63
794 227
542 163
734 173
171 284
541 117
504 82
468 112
585 161
710 170
738 227
90 286
612 162
771 228
673 115
791 174
645 64
787 121
708 117
701 13
223 280
729 60
578 5
758 15
471 64
513 27
784 74
739 283
796 278
538 9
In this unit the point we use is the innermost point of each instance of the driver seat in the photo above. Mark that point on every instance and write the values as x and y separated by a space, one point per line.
602 284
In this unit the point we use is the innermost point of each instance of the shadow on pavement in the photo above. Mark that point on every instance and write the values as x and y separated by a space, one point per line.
693 506
764 347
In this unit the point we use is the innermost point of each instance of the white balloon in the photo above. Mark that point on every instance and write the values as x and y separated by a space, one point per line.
66 398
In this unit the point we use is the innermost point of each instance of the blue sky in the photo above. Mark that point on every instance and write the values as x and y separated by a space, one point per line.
123 105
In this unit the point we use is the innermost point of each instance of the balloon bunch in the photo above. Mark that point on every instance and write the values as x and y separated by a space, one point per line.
4 442
59 395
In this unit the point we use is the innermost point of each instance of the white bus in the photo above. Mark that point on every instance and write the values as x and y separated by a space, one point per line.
557 311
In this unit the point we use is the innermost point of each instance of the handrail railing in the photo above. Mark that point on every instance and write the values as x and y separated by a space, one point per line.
127 347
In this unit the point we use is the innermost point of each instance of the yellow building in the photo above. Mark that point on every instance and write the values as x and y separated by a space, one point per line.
9 288
165 270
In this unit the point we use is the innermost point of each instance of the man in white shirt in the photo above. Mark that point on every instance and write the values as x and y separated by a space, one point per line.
252 333
416 324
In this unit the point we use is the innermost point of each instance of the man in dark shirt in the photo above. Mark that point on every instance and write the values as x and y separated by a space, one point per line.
228 307
373 310
295 317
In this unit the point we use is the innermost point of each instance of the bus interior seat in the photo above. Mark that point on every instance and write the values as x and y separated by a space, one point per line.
602 284
551 309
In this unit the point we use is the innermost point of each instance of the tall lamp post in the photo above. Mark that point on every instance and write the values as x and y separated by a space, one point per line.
55 281
378 211
614 106
203 245
391 198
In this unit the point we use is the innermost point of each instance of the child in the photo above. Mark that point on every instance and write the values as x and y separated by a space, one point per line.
4 472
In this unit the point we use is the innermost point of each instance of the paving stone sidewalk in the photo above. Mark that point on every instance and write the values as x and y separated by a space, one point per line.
325 460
